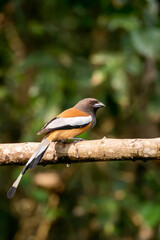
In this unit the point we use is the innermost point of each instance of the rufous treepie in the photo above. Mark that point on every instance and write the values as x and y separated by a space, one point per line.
66 125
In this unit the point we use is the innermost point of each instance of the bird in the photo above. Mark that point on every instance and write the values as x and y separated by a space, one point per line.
66 125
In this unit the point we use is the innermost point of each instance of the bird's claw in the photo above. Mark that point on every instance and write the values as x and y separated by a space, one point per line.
77 140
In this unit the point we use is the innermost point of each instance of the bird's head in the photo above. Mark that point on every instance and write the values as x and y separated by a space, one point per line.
89 105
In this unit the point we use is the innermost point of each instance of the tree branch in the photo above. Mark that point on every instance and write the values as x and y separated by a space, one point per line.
105 149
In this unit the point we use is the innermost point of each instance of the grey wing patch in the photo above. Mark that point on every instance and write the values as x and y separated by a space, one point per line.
43 130
66 123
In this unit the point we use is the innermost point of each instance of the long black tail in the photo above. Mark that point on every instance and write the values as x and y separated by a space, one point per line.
32 162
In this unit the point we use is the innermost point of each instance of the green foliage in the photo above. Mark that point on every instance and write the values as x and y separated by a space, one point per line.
54 53
146 42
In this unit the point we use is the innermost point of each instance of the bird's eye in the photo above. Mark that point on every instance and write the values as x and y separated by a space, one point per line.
90 103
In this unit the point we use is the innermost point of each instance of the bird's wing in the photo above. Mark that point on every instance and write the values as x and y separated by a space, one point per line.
66 120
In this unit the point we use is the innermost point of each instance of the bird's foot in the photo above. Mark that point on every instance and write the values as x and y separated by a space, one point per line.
77 139
61 140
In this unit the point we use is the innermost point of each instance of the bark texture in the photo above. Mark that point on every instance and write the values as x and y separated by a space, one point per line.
105 149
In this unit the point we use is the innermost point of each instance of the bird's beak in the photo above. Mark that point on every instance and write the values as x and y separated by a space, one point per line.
99 105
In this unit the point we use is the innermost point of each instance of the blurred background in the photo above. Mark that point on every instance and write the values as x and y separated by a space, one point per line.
53 54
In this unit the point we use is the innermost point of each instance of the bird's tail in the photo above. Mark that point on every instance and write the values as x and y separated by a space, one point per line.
32 162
